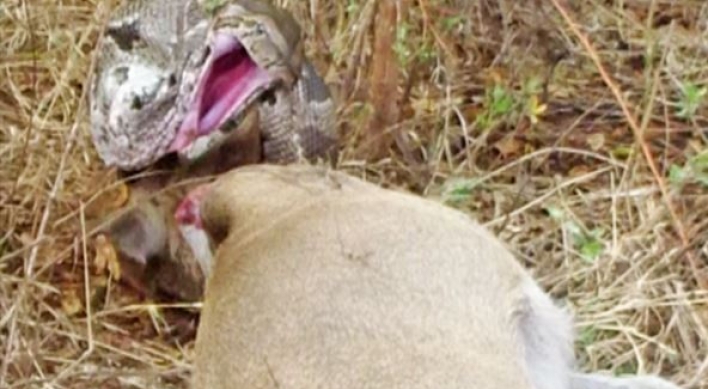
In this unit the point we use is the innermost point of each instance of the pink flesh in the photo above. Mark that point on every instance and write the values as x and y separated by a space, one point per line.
232 76
187 212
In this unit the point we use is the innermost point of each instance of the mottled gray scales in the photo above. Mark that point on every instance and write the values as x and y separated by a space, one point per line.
314 87
315 145
154 54
126 36
121 74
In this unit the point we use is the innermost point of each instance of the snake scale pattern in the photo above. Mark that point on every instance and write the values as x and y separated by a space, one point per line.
178 76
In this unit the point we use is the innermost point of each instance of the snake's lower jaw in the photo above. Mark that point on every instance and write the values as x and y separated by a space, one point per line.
191 149
182 141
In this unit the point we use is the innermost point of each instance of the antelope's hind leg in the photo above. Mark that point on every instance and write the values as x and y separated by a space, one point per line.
601 381
547 337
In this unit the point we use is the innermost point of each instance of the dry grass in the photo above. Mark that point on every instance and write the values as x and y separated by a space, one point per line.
637 285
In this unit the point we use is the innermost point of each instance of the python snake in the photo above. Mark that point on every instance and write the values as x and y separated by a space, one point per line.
178 76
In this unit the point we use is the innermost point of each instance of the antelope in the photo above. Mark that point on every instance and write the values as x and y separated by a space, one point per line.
318 279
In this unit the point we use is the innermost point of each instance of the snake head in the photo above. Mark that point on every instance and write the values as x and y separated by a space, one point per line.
127 99
252 47
168 81
137 83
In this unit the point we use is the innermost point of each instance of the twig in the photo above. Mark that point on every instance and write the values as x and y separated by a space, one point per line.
678 226
545 196
427 24
87 297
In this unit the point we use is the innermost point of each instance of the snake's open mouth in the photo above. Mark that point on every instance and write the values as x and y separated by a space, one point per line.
228 84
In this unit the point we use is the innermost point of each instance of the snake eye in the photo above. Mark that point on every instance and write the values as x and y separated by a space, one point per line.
172 80
136 104
269 97
230 125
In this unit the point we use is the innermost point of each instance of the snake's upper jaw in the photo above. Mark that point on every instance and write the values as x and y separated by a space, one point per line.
230 81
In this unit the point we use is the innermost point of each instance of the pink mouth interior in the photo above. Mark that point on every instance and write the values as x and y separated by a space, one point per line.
230 79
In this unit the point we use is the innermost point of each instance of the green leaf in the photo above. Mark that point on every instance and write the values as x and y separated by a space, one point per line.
555 212
695 170
691 99
622 152
591 249
352 7
502 102
587 336
677 175
700 160
533 86
400 47
451 22
459 190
